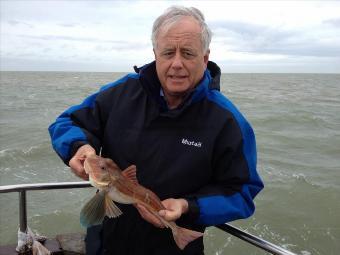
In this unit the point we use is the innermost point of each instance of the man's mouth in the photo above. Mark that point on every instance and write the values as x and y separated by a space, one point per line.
177 77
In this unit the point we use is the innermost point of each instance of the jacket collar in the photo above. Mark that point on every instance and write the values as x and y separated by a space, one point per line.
151 84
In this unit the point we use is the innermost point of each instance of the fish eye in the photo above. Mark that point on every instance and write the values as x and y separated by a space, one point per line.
102 167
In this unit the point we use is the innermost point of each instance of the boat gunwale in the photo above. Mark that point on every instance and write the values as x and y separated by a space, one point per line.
226 227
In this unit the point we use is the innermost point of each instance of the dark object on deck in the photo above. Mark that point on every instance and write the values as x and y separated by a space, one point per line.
72 243
51 244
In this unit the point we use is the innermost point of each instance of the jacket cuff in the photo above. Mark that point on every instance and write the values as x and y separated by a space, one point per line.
193 209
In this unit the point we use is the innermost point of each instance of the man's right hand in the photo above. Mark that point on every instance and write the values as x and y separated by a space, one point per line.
77 161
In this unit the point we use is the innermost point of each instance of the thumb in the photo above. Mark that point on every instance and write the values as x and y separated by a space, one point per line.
78 168
168 215
77 165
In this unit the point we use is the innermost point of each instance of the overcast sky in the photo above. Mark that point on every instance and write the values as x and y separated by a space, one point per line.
248 36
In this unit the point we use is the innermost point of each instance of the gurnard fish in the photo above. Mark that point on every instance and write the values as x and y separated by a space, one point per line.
122 187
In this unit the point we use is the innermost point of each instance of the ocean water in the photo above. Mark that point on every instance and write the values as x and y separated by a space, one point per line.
296 118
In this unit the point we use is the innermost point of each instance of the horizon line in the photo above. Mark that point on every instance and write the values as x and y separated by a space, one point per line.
224 72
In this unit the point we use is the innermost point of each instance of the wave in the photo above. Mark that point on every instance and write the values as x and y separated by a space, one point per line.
34 151
33 164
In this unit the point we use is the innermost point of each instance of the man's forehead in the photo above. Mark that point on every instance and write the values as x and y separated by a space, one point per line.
182 35
186 38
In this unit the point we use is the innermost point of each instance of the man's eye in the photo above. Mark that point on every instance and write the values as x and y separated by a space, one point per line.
167 53
188 54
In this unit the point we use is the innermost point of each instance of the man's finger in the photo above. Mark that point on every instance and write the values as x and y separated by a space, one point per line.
169 215
80 174
77 161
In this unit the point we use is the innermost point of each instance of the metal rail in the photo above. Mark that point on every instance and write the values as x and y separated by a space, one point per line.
254 240
22 188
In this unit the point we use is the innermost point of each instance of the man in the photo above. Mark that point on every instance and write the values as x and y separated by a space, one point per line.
191 146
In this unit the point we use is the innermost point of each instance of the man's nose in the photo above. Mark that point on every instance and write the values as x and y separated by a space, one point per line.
177 61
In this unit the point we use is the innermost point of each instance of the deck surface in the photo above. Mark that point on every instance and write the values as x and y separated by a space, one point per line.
72 244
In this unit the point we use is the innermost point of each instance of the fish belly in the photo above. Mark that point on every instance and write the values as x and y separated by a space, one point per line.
119 197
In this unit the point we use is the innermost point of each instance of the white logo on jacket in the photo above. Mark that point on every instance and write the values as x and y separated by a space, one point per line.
191 143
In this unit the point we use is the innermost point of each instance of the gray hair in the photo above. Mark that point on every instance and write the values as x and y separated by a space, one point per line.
173 14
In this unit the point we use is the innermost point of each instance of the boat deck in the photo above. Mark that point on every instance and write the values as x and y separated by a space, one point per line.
66 244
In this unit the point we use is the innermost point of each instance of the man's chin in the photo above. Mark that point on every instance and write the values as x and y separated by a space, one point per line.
178 93
178 88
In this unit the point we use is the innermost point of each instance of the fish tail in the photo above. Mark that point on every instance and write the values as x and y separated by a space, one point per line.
183 236
97 208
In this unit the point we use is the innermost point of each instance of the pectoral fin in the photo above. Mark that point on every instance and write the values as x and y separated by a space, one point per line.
94 211
112 209
97 208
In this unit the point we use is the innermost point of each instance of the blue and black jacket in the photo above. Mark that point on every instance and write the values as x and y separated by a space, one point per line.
203 151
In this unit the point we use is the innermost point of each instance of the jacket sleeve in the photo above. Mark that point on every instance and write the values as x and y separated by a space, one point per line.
80 124
84 123
235 181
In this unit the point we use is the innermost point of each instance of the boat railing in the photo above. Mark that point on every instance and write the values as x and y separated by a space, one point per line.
23 188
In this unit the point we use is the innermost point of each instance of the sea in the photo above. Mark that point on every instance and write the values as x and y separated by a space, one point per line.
296 119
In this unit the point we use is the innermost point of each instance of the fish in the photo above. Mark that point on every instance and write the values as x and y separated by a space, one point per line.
115 185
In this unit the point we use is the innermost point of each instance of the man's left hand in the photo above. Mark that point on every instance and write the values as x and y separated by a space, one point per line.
174 208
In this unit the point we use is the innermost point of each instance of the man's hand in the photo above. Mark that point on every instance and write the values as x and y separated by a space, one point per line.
174 208
77 161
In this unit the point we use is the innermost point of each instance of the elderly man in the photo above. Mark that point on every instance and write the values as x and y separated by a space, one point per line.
190 144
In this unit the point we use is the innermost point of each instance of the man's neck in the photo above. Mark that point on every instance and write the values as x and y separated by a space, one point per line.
174 101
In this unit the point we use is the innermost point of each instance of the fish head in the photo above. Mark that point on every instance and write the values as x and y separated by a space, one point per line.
101 171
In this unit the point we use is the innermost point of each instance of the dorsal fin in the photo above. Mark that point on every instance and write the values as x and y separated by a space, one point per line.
130 173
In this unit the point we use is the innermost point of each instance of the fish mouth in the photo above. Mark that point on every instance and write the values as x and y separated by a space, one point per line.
92 178
87 167
88 170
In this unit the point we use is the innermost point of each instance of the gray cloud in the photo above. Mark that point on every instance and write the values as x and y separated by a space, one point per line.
305 50
101 45
245 37
61 38
122 43
17 22
236 27
334 22
68 24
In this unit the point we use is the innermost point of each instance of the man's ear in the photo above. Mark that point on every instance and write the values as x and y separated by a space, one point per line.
154 52
206 57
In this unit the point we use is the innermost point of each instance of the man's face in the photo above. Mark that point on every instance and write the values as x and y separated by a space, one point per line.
180 60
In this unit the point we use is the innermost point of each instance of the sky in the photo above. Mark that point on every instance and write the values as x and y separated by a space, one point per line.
113 36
